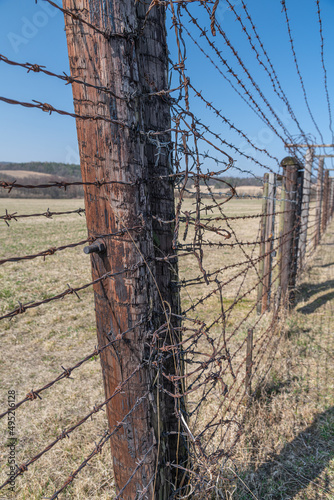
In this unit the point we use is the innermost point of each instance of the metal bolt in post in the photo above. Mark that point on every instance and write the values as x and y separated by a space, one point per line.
97 247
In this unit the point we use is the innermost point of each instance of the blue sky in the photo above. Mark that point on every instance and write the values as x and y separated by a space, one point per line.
34 33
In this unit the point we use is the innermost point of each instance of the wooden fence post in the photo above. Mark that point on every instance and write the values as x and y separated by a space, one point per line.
249 362
325 203
305 205
282 207
318 208
292 190
262 244
268 247
331 207
135 193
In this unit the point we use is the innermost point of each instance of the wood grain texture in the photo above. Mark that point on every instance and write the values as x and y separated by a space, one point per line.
131 66
292 189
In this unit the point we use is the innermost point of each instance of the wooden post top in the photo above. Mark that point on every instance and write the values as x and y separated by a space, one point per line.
290 160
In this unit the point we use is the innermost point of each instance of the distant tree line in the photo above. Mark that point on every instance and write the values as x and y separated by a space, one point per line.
58 172
52 168
52 192
71 173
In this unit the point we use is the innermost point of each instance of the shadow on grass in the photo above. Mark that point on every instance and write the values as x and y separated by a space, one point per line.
306 290
272 389
297 466
326 265
318 302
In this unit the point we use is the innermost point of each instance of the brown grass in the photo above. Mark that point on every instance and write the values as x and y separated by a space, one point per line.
287 447
22 174
298 391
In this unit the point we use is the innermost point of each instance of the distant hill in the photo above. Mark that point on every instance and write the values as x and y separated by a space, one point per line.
58 169
40 173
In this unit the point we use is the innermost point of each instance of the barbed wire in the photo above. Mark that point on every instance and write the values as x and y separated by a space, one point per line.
324 69
65 433
53 250
285 11
249 76
66 373
198 351
271 73
105 439
30 305
14 216
37 68
105 33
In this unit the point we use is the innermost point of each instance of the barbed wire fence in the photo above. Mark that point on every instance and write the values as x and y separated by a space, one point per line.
188 299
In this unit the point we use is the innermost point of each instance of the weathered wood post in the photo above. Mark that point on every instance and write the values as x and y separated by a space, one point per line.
292 190
331 206
305 205
281 203
249 362
268 247
129 60
325 203
263 224
319 196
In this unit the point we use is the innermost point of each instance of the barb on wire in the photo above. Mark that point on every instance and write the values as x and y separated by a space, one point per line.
66 432
324 69
36 68
53 250
69 291
8 217
292 45
66 373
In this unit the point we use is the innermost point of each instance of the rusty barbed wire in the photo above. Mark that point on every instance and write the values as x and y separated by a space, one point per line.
65 433
324 69
37 68
105 33
207 341
240 132
265 335
48 108
249 76
53 250
292 45
66 373
98 447
29 305
271 73
59 184
194 40
149 134
217 136
14 216
232 72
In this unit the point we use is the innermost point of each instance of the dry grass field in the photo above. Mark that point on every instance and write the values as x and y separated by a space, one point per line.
22 174
287 448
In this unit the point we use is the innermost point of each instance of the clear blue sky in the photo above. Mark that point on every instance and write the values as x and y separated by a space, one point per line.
34 33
